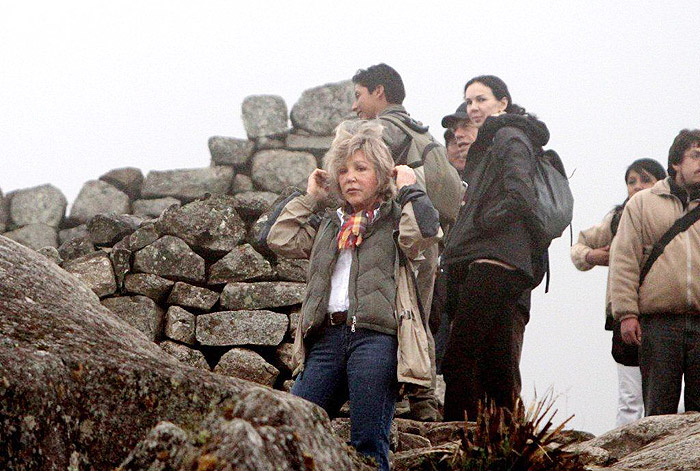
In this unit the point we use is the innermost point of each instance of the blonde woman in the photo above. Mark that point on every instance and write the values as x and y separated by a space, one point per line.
346 345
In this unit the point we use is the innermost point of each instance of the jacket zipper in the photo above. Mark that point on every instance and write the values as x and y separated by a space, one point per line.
354 321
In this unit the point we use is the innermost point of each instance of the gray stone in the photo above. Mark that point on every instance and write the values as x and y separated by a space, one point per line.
5 211
273 170
246 364
294 317
139 312
262 295
153 208
187 295
127 179
185 354
240 264
98 197
663 442
77 231
265 143
317 145
43 204
292 269
251 204
287 385
320 109
52 254
241 328
76 247
241 183
121 264
284 354
34 236
264 115
95 270
187 184
108 229
180 325
211 226
79 388
167 446
147 284
230 151
170 257
140 238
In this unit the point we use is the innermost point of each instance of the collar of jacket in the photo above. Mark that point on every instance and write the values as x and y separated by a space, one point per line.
385 208
535 129
393 108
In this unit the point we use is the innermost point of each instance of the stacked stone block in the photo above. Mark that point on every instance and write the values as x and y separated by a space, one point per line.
174 253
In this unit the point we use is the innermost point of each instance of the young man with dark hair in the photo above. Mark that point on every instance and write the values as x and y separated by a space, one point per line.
379 91
659 303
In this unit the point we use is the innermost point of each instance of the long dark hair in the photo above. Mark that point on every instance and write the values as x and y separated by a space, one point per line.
499 89
653 168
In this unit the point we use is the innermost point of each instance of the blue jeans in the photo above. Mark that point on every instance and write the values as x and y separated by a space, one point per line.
359 366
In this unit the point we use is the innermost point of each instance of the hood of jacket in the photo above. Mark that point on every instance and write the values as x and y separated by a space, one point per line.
533 128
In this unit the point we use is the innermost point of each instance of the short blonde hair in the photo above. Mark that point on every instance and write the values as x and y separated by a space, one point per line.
364 135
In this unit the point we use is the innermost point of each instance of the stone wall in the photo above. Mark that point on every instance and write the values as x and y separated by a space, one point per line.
174 254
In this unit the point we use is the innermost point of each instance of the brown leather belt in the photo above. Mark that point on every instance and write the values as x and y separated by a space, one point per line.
337 318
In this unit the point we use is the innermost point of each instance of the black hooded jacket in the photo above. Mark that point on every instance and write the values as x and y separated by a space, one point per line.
500 200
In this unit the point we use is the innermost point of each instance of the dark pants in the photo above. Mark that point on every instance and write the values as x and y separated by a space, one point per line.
670 351
482 359
360 366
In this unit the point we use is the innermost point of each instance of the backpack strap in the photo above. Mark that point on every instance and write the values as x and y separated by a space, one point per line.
681 224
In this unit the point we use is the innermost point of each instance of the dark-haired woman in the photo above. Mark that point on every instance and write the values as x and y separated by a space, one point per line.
593 248
491 257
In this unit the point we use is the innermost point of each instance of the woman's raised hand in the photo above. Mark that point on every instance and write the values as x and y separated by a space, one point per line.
319 183
404 175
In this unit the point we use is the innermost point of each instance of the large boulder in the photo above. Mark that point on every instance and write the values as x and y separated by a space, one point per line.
43 204
172 258
663 442
34 236
264 115
210 226
246 364
98 197
273 170
79 388
321 109
187 184
227 328
230 151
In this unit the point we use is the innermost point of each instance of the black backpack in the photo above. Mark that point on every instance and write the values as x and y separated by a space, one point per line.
554 210
555 203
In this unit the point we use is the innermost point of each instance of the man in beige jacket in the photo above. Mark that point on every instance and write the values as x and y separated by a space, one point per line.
662 314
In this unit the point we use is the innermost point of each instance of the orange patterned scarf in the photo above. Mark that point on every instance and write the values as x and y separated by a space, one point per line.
353 229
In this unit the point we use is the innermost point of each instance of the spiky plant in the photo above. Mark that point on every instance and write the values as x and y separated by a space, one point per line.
517 440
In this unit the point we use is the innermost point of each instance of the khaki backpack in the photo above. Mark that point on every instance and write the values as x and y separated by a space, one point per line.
434 172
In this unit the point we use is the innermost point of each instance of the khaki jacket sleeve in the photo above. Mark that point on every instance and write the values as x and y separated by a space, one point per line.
592 238
626 256
292 235
419 227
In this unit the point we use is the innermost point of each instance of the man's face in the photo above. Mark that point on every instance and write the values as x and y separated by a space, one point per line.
455 156
368 104
688 171
465 135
